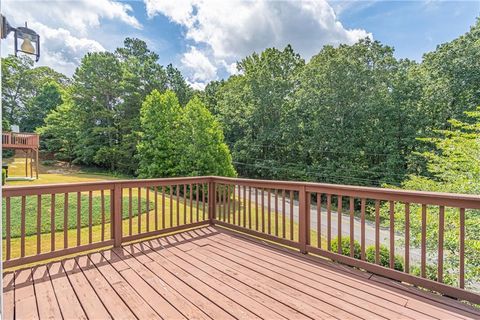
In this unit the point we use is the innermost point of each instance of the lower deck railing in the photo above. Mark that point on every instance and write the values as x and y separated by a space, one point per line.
394 233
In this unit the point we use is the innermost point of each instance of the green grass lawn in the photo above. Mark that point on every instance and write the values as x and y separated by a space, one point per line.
31 206
138 224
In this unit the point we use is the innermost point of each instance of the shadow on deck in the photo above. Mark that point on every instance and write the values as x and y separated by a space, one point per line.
213 273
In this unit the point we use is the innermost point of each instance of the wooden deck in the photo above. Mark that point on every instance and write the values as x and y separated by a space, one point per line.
211 273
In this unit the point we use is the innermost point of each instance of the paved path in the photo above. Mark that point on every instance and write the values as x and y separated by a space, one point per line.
369 225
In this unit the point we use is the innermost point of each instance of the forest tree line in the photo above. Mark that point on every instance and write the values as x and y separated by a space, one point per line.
353 114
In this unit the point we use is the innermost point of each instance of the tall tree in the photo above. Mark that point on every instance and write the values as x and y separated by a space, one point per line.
205 152
450 77
21 83
176 82
97 95
159 150
37 109
252 107
141 75
60 131
180 141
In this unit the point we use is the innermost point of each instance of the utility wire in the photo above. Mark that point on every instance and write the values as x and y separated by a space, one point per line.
317 174
385 173
279 145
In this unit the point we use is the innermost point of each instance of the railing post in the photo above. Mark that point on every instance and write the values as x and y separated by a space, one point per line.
303 215
117 215
212 201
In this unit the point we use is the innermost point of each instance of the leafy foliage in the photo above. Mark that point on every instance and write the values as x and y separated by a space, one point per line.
178 141
384 255
454 166
345 244
60 132
350 115
29 93
105 97
159 149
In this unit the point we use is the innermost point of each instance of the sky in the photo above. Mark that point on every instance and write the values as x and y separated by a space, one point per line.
205 38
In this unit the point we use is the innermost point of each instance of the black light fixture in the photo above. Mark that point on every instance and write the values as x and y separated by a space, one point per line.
31 39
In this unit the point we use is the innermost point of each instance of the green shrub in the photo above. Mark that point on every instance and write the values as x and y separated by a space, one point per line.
4 176
8 154
48 162
431 273
346 247
384 257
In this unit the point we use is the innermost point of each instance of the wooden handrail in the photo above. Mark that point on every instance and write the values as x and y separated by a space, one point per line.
278 211
20 139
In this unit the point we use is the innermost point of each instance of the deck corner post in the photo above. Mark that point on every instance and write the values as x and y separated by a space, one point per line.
211 201
117 215
303 219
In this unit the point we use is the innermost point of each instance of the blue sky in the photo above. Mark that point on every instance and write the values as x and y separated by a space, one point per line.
204 38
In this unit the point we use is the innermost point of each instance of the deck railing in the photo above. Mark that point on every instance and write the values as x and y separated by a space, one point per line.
48 221
20 140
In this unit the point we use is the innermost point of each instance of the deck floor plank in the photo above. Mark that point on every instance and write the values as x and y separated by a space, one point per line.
134 301
305 267
273 291
213 273
188 309
329 310
156 301
259 278
262 298
48 307
8 296
389 290
214 293
114 304
67 299
182 281
333 297
91 303
226 289
25 299
356 292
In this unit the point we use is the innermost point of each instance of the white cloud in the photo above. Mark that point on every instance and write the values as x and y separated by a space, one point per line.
203 69
231 30
67 28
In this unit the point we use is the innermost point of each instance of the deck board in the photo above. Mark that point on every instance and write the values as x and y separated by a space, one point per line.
188 309
8 296
134 301
247 302
213 273
91 303
356 293
70 306
114 304
265 300
48 307
25 295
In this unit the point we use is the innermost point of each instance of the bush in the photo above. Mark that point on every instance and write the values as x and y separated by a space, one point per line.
8 154
384 257
369 253
346 247
48 162
431 274
4 176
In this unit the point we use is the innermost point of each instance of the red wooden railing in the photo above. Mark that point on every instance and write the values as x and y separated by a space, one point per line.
20 140
48 221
